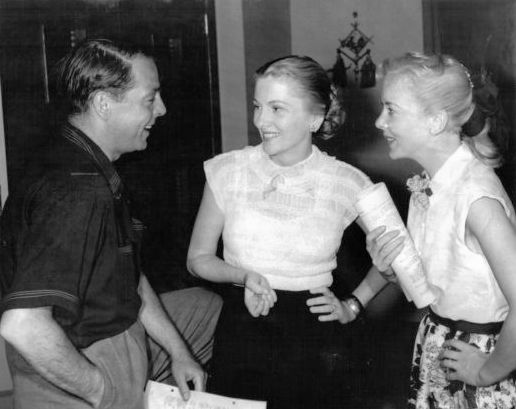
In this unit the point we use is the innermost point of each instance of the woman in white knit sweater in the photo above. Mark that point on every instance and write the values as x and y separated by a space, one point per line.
281 208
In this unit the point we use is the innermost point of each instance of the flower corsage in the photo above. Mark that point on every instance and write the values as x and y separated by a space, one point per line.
419 186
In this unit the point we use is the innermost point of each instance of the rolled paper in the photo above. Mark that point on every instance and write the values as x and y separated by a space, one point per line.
376 208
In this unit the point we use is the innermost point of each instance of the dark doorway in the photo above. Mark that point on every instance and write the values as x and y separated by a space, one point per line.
481 34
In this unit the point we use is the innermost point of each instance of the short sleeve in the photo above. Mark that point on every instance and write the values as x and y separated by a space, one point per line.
219 176
467 198
346 183
353 179
62 225
361 179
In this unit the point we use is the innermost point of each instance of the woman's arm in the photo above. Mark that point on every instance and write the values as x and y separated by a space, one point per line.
496 235
370 286
374 281
202 260
331 308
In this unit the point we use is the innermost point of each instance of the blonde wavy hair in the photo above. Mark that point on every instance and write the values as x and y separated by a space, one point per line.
442 83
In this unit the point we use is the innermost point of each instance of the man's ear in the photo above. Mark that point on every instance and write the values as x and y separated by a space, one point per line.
437 122
101 103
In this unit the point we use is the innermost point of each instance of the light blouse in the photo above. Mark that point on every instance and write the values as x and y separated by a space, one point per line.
452 258
285 223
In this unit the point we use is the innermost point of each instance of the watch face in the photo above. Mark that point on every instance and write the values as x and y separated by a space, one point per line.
353 305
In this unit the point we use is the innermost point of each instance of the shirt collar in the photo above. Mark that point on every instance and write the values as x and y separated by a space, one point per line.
80 139
272 169
452 169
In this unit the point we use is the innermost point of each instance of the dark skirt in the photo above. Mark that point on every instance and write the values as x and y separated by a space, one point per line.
288 358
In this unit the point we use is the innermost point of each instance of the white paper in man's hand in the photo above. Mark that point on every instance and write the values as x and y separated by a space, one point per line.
162 396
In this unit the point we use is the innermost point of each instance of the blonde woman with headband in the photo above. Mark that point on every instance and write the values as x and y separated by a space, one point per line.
463 226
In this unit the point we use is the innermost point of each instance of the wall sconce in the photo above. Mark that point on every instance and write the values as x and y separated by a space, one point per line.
353 48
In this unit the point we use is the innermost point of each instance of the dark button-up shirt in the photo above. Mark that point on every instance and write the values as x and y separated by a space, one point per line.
67 241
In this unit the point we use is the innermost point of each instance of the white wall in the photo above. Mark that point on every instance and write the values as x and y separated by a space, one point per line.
316 27
231 70
395 25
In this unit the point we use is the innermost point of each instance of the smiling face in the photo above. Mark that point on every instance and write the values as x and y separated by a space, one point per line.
133 115
283 116
403 121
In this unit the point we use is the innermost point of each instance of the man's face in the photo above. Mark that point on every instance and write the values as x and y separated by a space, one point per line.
133 116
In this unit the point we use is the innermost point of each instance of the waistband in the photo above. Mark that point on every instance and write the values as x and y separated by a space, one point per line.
466 326
303 283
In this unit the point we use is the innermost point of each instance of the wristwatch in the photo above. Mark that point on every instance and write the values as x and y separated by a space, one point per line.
354 304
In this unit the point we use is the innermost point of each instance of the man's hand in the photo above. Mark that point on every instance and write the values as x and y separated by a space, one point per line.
160 328
259 297
187 370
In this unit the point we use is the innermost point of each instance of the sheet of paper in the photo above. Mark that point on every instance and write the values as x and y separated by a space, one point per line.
162 396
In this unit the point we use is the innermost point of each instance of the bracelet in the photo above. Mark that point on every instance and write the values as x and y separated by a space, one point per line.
354 304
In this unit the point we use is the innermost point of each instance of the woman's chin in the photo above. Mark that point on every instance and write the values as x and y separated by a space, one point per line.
268 147
395 154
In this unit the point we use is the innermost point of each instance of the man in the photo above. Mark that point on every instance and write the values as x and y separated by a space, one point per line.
75 305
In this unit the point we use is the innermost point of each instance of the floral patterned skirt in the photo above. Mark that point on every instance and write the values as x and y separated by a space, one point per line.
429 388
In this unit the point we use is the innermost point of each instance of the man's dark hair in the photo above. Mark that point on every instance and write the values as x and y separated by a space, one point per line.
91 66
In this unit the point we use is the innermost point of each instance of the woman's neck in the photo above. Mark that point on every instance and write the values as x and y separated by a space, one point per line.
292 157
434 158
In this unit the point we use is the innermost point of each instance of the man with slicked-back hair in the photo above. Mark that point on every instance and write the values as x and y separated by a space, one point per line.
78 314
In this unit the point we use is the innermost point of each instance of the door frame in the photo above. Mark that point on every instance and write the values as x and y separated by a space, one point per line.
4 190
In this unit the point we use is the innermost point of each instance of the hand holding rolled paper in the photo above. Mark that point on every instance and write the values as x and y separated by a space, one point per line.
384 246
376 208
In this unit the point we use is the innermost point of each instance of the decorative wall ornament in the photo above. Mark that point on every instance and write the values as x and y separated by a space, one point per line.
353 48
76 36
